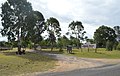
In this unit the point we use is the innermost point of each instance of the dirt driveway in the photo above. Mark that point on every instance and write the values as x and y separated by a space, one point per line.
68 63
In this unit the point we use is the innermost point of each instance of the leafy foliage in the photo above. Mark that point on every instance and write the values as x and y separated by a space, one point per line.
104 34
117 31
76 29
62 42
20 22
91 41
14 14
118 46
109 45
36 27
74 41
53 29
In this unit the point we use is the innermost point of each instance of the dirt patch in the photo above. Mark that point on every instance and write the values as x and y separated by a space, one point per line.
66 66
81 63
109 61
69 63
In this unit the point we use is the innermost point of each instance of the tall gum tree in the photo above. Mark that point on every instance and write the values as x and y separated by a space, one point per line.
36 23
117 31
53 29
76 28
14 13
104 34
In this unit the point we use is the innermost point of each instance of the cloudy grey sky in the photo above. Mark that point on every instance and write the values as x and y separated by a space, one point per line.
92 13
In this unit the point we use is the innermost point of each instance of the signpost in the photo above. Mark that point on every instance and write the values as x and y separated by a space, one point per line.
89 45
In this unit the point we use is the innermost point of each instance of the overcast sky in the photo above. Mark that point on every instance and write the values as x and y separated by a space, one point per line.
92 13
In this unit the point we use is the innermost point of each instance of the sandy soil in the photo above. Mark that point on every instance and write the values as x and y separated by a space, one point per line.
69 63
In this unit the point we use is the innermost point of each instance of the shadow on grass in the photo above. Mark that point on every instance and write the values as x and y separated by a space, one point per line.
8 53
103 54
99 53
71 53
32 56
52 52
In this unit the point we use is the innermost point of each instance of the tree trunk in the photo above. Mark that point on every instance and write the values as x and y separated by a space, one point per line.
88 49
51 46
77 45
19 43
81 49
61 49
81 46
95 50
34 46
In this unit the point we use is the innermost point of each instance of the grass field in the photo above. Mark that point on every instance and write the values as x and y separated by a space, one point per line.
12 64
101 53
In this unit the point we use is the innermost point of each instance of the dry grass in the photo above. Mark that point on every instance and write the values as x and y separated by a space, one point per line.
12 64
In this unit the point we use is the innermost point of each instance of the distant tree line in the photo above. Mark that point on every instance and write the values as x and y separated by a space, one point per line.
23 27
106 37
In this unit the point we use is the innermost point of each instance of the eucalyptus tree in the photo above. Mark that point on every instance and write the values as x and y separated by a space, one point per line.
74 41
36 27
14 13
117 30
76 29
53 29
62 42
90 40
104 35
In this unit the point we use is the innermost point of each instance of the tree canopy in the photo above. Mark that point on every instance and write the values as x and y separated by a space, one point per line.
76 29
36 27
53 29
14 13
13 16
117 31
104 34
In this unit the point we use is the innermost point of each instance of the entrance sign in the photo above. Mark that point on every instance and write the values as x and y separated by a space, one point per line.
87 45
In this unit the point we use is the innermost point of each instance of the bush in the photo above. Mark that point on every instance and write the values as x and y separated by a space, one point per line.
109 45
60 50
115 45
118 46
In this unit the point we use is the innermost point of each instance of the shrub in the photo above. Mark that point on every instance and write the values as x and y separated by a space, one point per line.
115 45
60 50
118 46
109 45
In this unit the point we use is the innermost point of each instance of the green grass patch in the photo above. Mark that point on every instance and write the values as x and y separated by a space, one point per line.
55 51
12 64
101 53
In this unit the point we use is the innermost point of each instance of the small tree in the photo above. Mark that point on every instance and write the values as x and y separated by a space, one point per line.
14 13
53 29
104 34
76 28
74 41
118 46
117 31
36 23
115 45
62 42
109 45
